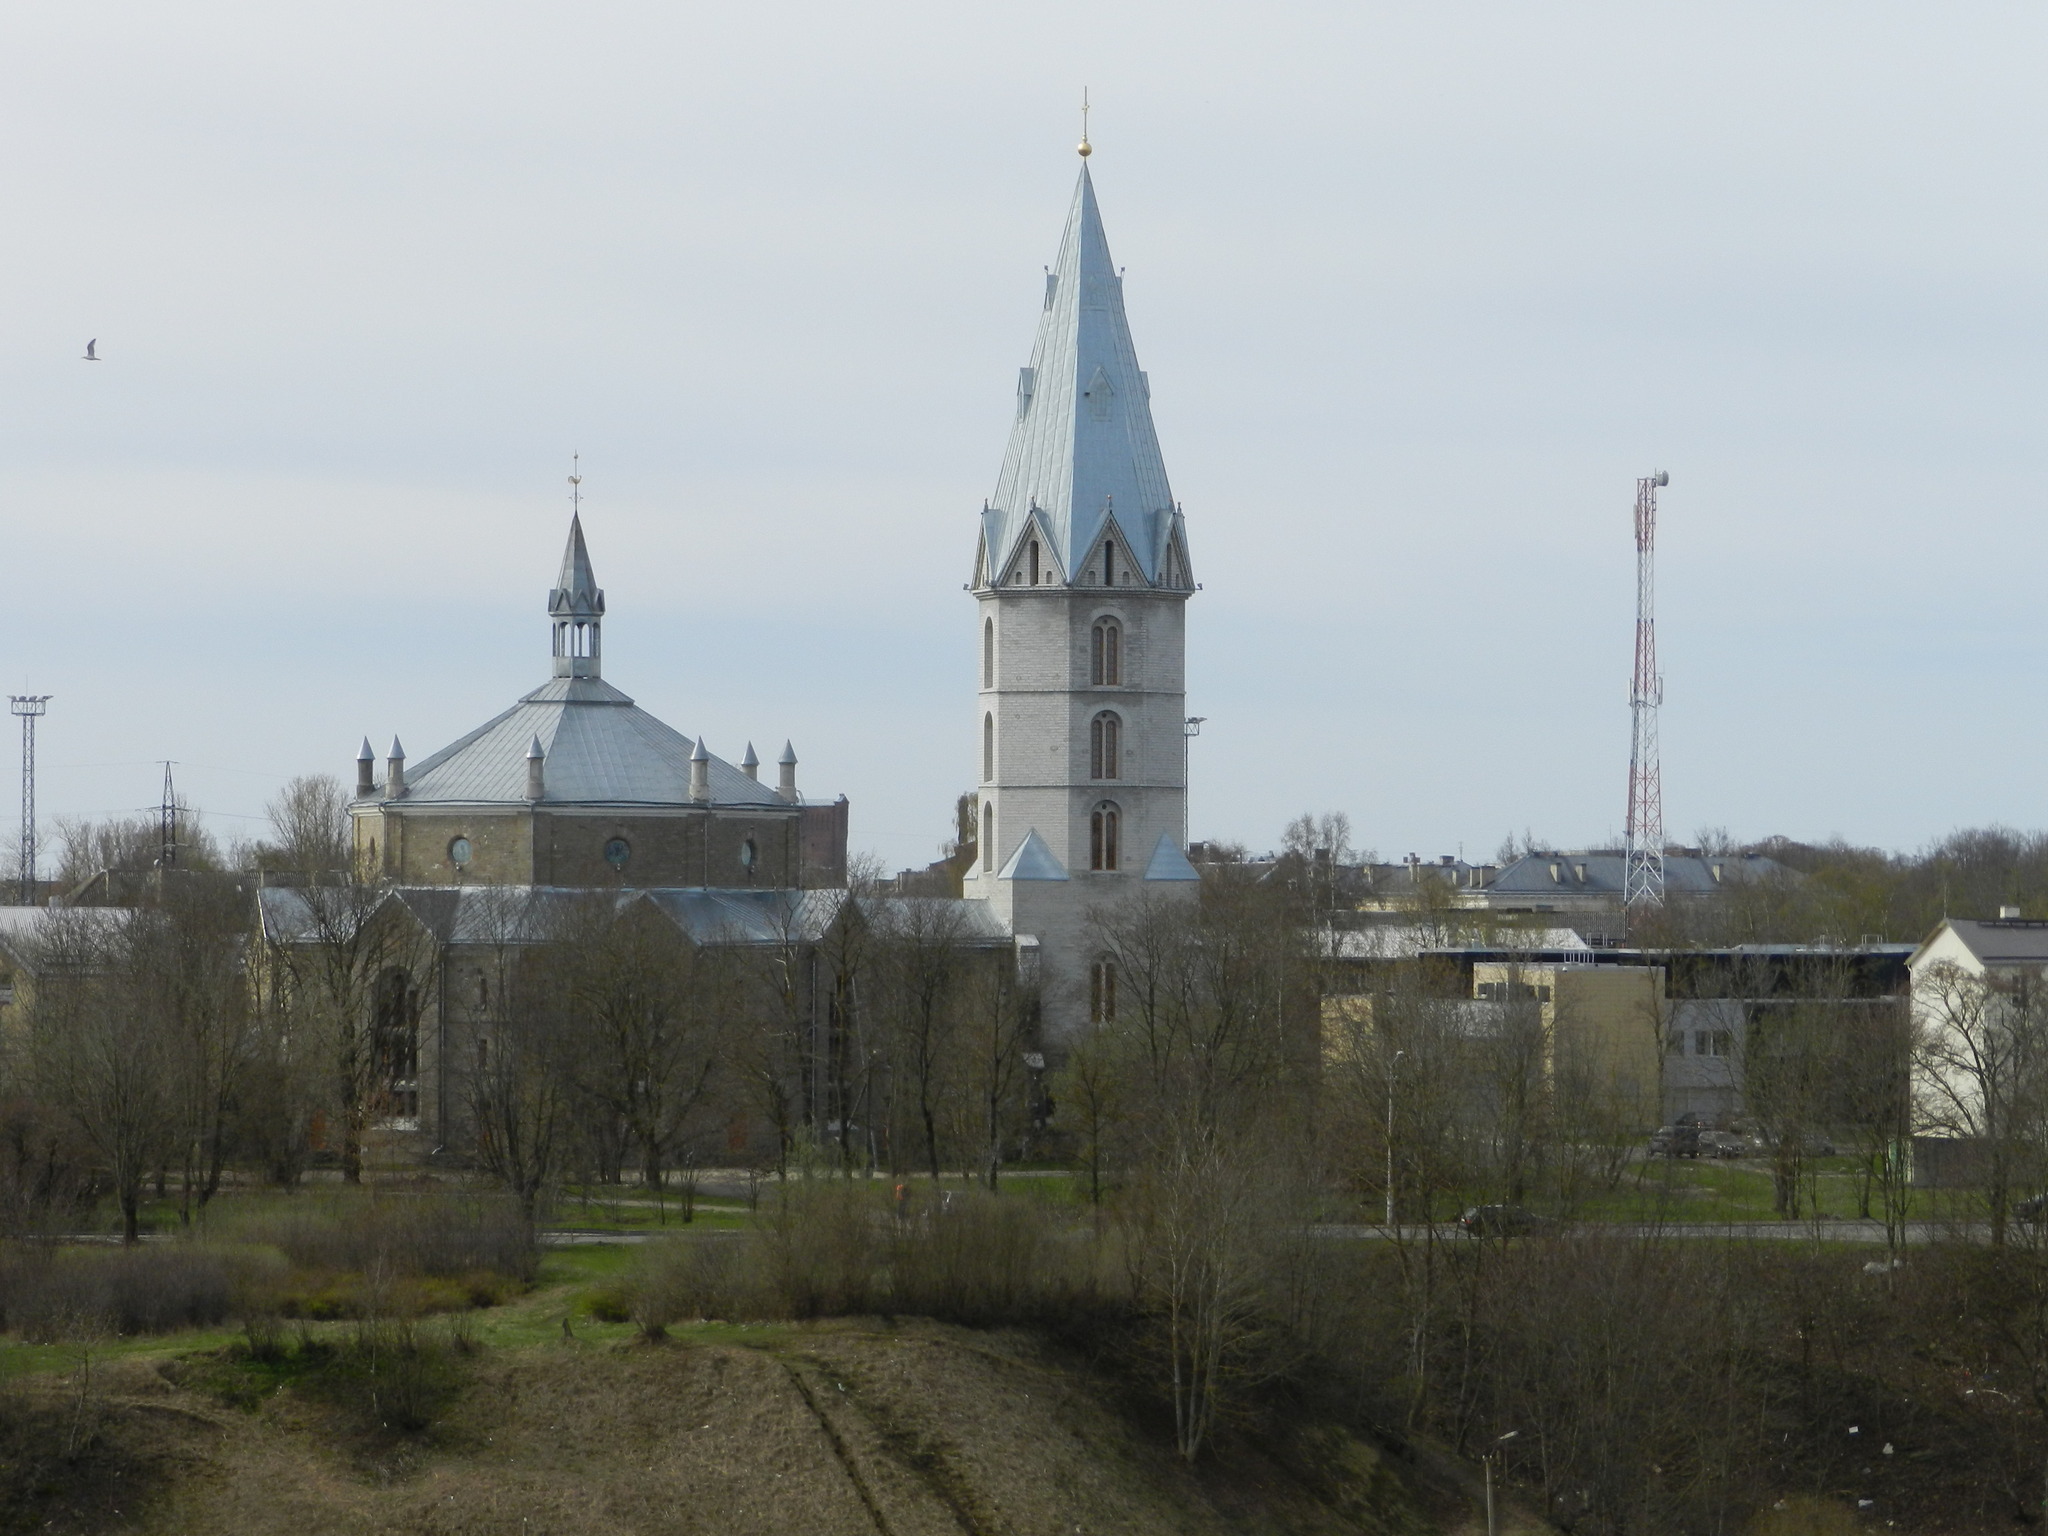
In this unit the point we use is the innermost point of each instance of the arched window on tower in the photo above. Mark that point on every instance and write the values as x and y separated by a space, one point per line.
988 653
1102 836
1105 746
1106 654
987 835
1109 562
1102 991
988 749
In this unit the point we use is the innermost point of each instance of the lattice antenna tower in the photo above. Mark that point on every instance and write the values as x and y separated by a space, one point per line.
167 824
30 707
1642 875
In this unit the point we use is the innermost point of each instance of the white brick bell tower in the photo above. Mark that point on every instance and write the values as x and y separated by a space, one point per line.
1081 580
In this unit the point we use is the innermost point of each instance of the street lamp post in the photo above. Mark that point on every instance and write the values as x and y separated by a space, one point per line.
1391 1065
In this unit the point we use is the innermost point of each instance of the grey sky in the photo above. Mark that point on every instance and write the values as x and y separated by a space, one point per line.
1420 289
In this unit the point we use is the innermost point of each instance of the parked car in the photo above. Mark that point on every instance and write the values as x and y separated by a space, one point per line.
1724 1144
1675 1141
2033 1208
1499 1221
1810 1145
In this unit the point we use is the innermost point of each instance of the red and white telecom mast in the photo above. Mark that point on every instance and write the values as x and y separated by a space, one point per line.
1642 874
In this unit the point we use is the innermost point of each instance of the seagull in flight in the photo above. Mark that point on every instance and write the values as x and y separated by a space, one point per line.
90 355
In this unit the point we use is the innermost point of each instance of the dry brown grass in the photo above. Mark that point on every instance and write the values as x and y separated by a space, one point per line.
822 1429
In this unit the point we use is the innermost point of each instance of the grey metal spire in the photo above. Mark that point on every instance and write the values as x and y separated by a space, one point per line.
1083 442
750 765
576 610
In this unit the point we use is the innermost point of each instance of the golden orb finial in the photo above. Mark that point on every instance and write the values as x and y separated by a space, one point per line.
1085 151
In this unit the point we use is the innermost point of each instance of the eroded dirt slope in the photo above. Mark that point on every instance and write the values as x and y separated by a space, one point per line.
837 1429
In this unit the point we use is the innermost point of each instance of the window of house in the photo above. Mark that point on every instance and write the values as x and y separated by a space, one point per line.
750 855
1105 746
459 852
1106 660
617 852
395 1044
988 748
1102 991
988 653
1102 837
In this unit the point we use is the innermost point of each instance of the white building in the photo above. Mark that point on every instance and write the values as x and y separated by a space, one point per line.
1081 577
1980 1024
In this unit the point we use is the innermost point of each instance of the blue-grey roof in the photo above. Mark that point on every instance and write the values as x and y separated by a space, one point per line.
1033 860
1684 874
576 593
530 914
1083 440
599 749
1169 863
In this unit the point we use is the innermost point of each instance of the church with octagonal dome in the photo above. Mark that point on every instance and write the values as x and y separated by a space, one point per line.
577 786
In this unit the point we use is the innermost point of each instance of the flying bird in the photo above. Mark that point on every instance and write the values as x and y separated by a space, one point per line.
90 355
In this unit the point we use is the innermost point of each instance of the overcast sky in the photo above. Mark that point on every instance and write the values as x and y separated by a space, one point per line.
1421 291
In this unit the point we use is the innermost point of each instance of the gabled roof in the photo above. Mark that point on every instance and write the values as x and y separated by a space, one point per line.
1033 860
1083 440
1995 942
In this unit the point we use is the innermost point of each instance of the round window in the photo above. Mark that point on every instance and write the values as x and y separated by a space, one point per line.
616 852
459 852
748 853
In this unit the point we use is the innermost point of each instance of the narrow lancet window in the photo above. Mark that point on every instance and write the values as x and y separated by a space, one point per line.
988 653
1105 658
1105 746
988 749
1102 837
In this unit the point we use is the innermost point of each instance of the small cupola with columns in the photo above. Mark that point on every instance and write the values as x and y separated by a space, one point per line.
576 609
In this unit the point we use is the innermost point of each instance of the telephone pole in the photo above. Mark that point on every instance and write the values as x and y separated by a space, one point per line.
30 707
1642 871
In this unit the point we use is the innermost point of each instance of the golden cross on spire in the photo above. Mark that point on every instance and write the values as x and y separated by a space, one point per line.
1085 150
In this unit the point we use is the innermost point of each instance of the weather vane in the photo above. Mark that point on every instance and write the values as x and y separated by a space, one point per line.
1085 150
576 484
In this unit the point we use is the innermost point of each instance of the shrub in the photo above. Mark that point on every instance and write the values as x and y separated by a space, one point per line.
402 1234
50 1293
827 1249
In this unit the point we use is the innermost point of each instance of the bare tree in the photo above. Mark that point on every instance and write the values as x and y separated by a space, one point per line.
1981 1072
99 1051
187 956
1201 1221
517 1084
647 1009
919 968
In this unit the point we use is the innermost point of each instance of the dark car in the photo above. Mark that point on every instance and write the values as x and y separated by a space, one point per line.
1499 1221
1676 1141
2032 1209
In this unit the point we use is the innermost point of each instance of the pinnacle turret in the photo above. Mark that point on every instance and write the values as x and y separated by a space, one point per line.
576 610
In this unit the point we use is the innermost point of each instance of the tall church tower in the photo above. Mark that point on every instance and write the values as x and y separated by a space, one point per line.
1081 580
